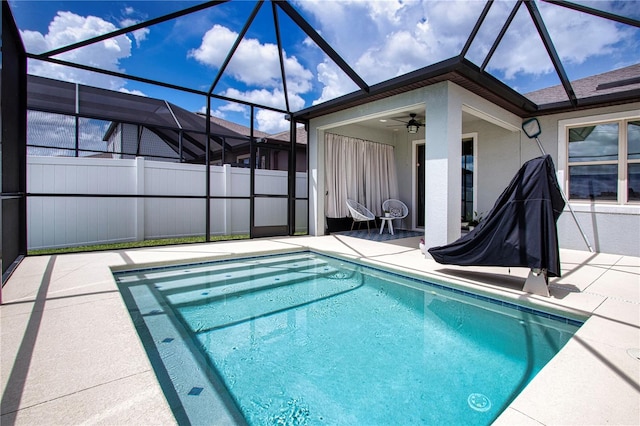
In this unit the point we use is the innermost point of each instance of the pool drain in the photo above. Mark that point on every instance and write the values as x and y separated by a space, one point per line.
479 402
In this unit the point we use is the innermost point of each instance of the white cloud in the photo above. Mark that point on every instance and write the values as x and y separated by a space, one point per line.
68 28
132 92
267 120
384 39
393 37
271 121
253 63
234 107
335 82
273 98
214 112
231 107
577 38
140 35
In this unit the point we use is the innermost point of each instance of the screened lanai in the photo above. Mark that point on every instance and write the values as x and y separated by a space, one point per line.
284 62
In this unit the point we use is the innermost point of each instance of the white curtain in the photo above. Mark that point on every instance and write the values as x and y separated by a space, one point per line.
361 170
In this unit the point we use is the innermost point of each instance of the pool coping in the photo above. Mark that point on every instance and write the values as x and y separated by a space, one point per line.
592 380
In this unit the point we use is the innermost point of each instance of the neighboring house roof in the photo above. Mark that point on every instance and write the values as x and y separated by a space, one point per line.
238 128
161 117
301 133
620 80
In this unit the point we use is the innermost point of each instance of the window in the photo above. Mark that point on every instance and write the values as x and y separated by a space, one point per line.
604 161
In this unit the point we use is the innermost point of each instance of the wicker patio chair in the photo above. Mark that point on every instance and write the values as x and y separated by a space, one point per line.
396 208
359 213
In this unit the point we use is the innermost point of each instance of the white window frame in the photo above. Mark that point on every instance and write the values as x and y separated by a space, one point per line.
621 118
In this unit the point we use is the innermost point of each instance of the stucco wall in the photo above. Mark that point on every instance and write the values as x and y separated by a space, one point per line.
609 227
498 159
502 148
366 133
402 143
330 123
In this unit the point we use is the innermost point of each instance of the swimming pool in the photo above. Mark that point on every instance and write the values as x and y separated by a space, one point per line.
306 338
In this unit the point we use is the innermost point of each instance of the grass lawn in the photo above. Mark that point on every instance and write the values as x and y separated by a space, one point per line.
135 244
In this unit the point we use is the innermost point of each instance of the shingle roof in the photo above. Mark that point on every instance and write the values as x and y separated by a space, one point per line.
238 128
301 135
620 80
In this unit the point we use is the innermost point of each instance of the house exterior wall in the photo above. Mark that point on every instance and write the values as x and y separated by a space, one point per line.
318 127
501 150
124 139
496 146
366 133
443 105
402 143
609 227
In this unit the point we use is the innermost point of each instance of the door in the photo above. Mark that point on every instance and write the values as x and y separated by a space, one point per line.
469 179
419 200
468 171
270 173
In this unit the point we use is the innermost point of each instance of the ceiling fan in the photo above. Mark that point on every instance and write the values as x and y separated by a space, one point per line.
413 124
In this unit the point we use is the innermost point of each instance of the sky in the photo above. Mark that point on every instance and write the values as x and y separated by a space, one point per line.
379 39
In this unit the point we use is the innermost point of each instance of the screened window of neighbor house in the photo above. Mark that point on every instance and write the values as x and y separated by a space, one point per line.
604 162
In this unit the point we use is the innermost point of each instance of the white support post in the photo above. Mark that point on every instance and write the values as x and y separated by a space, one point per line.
443 130
139 202
227 210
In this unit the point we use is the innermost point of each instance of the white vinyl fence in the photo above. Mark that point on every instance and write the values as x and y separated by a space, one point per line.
72 221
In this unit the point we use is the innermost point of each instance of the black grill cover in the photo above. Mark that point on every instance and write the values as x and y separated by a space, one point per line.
520 229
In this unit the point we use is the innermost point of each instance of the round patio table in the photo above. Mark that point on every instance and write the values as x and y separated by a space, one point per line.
389 221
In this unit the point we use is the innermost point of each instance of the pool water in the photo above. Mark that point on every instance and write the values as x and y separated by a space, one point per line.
304 338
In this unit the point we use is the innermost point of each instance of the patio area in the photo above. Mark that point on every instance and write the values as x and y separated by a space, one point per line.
71 355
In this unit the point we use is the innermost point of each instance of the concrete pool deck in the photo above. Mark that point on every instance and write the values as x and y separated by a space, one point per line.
71 355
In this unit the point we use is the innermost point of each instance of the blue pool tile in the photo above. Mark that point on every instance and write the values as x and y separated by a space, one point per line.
195 391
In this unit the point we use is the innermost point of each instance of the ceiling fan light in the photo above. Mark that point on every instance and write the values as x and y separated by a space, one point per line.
413 126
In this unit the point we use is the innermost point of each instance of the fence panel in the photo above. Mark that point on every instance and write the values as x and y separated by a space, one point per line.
71 221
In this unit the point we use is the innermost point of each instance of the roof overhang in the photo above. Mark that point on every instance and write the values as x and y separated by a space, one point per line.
468 76
461 72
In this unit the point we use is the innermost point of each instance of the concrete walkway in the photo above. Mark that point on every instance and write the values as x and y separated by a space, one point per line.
71 355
